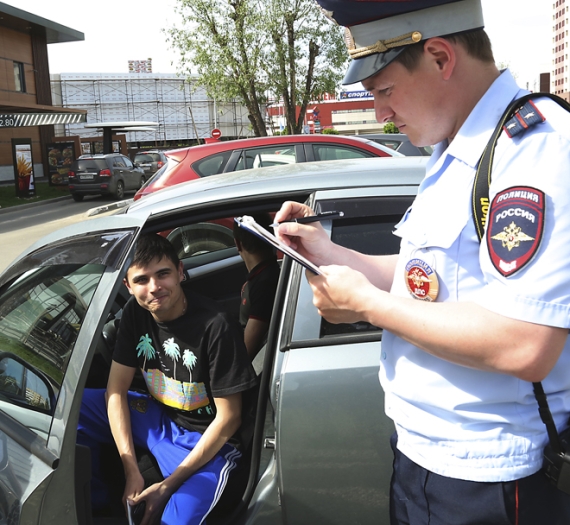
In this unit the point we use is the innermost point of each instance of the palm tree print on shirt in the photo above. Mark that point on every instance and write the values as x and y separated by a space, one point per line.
146 349
189 361
172 350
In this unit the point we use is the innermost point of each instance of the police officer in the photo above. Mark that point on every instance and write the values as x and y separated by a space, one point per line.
469 324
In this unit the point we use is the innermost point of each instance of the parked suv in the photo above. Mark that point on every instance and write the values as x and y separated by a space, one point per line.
150 161
109 174
320 451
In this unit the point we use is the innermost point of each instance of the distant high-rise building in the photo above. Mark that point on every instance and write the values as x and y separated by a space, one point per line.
560 41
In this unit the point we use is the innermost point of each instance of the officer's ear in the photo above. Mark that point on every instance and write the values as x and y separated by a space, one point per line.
442 54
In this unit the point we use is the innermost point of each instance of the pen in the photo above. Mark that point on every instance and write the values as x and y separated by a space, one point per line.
326 215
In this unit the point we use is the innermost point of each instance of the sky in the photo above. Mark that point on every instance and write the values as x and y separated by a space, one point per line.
117 31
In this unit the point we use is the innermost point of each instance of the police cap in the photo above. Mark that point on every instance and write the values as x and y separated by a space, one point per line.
377 31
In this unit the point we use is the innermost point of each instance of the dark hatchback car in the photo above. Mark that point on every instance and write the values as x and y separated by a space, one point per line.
110 174
400 143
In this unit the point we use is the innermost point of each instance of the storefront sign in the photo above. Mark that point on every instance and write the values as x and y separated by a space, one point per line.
60 156
23 168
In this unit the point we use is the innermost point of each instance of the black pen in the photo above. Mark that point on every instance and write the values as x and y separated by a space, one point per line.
326 215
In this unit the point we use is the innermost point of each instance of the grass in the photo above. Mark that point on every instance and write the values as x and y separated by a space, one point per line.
43 192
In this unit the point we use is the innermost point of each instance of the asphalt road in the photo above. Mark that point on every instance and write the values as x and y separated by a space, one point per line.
21 226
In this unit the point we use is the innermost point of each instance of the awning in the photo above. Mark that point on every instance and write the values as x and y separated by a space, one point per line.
19 120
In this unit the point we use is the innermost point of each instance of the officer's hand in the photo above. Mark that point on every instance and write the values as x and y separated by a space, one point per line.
341 295
310 240
133 487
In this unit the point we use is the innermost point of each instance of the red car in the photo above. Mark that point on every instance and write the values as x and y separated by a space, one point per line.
210 159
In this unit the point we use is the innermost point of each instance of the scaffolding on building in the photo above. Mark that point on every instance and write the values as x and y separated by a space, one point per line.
184 112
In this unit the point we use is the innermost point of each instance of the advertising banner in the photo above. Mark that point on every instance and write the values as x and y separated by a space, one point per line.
60 157
23 168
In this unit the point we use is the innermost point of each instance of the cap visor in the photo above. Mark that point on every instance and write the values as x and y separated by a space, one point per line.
363 68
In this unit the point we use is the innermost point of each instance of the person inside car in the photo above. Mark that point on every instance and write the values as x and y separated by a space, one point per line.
195 367
470 321
258 292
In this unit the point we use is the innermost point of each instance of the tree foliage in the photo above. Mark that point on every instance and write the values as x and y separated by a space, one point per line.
255 50
390 127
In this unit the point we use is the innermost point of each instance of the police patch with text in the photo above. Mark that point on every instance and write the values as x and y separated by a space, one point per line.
514 231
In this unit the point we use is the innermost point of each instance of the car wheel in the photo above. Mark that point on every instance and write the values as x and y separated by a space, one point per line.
120 191
77 197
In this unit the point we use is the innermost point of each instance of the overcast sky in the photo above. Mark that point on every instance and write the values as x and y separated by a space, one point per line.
120 30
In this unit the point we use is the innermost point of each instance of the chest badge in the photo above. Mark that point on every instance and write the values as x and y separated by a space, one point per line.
515 227
421 280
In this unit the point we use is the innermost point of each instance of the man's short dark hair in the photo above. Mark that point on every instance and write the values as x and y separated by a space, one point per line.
151 246
476 43
250 242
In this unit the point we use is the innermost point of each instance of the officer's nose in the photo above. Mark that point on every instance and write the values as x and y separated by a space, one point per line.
382 109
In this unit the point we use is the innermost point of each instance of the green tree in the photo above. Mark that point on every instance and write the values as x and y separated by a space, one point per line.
329 131
252 50
390 127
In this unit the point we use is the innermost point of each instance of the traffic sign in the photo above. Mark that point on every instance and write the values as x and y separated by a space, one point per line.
216 133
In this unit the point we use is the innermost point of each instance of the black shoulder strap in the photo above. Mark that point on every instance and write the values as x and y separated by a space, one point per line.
480 206
480 194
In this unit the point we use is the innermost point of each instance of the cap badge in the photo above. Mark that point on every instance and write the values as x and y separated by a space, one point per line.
349 39
383 45
421 280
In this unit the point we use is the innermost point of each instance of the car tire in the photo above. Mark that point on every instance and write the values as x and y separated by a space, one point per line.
120 191
77 197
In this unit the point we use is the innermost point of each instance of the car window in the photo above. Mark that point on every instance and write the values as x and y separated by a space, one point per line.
118 162
143 158
127 162
41 313
91 164
371 235
267 156
211 165
336 152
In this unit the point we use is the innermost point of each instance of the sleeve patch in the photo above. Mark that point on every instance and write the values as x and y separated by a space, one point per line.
515 228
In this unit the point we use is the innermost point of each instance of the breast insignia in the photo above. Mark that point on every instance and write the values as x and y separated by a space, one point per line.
421 280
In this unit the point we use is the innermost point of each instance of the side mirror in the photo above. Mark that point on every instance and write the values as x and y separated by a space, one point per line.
23 385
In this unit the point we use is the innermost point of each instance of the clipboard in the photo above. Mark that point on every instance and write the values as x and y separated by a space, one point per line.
250 225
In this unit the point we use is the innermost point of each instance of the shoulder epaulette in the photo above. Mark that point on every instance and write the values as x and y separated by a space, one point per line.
524 118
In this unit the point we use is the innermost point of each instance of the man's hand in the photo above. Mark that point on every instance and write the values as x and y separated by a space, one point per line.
155 497
341 294
134 485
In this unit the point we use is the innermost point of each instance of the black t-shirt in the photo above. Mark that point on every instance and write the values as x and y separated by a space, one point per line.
258 292
186 362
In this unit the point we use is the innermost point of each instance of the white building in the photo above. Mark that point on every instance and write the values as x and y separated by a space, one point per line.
182 109
560 41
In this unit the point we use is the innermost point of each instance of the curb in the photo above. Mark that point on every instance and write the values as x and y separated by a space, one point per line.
32 204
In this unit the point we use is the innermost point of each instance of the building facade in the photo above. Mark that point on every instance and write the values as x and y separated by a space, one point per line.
560 41
27 115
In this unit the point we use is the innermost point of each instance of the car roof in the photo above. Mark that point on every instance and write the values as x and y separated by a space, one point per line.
289 178
279 181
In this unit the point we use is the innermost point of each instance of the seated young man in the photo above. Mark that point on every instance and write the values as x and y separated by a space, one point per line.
195 366
258 292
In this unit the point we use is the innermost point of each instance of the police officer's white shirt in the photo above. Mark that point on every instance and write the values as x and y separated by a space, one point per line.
453 420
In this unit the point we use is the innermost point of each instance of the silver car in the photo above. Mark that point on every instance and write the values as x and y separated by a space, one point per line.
320 450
